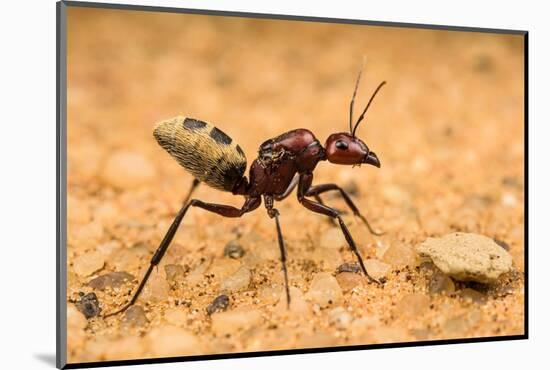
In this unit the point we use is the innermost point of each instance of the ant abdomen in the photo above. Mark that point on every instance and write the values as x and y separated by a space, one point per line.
203 150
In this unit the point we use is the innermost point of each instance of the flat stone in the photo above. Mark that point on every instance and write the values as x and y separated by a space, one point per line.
376 268
111 280
400 254
156 290
349 280
467 257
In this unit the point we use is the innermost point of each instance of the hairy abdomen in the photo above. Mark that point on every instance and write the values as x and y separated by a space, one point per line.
203 150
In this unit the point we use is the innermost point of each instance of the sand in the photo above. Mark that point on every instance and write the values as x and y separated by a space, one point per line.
447 127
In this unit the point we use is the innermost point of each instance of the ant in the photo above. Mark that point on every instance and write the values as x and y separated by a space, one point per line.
283 163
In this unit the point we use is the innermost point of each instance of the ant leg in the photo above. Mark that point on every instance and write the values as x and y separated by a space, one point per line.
223 210
319 189
288 190
305 183
274 213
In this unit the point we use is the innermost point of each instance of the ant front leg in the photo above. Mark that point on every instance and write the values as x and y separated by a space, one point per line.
315 191
274 213
220 209
304 185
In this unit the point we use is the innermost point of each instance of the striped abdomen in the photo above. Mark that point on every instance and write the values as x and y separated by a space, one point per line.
202 149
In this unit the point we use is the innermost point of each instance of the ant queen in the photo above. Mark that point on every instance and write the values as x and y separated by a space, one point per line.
283 163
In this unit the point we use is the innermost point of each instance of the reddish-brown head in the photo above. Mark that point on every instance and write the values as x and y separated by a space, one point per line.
343 148
346 148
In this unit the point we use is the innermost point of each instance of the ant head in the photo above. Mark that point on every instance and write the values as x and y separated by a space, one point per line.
343 148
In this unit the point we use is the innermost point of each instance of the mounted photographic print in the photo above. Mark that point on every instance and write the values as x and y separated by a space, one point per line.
235 184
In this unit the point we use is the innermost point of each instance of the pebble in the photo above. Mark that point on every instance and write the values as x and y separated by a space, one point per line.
111 280
413 305
89 305
348 280
127 170
340 318
219 304
467 257
353 267
328 259
156 289
237 282
87 264
174 272
233 250
440 283
135 317
169 340
229 322
376 268
126 259
400 254
324 290
332 238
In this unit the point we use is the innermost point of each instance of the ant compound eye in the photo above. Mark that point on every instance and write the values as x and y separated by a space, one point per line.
341 145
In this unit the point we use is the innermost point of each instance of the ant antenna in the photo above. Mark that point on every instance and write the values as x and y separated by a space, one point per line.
353 97
367 107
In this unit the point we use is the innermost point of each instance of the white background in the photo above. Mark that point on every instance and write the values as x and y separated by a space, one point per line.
27 208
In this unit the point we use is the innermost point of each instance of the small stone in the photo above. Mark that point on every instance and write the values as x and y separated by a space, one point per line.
233 250
220 303
324 290
352 267
467 257
413 305
125 259
89 305
376 268
237 282
135 317
340 318
111 280
298 305
174 272
473 295
230 322
332 238
175 316
348 280
156 289
88 263
400 254
440 283
166 341
127 170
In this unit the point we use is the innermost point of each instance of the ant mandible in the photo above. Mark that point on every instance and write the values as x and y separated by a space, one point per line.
283 163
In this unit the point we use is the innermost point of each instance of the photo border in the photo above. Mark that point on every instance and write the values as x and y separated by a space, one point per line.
61 185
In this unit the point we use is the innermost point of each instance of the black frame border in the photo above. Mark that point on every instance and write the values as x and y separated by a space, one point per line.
61 184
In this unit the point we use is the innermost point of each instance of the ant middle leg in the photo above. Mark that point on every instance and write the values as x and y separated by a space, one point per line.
315 191
325 210
220 209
